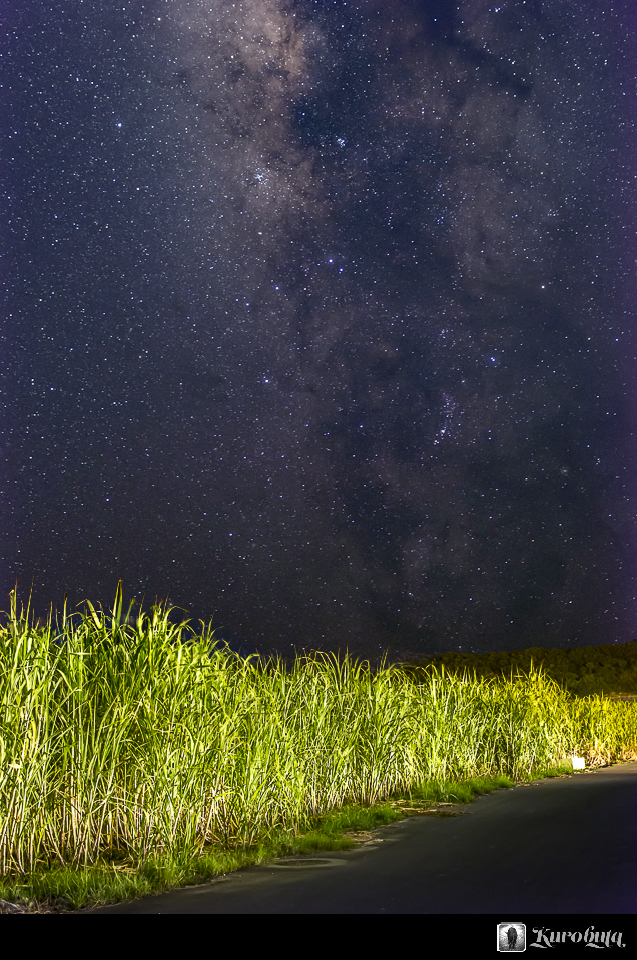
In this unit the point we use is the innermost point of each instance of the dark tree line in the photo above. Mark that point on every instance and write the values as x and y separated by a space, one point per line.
604 669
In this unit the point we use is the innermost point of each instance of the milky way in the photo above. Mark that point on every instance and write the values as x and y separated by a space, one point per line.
320 317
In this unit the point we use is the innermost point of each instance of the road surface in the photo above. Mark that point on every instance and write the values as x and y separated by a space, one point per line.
558 846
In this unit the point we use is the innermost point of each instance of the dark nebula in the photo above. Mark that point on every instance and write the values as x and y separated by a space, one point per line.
320 317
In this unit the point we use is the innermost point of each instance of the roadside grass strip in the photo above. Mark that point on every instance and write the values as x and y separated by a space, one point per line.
140 758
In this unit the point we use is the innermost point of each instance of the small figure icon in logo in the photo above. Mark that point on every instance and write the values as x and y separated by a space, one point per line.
511 938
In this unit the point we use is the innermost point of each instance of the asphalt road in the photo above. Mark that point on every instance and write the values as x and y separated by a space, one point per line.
558 846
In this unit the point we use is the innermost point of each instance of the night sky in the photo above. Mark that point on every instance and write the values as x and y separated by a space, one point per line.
320 317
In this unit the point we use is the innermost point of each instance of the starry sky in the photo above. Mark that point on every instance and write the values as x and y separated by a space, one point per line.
320 318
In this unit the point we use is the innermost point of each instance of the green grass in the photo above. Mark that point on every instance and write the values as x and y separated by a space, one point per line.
136 759
114 879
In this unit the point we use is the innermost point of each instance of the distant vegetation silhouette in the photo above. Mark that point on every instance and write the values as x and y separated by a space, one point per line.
605 669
